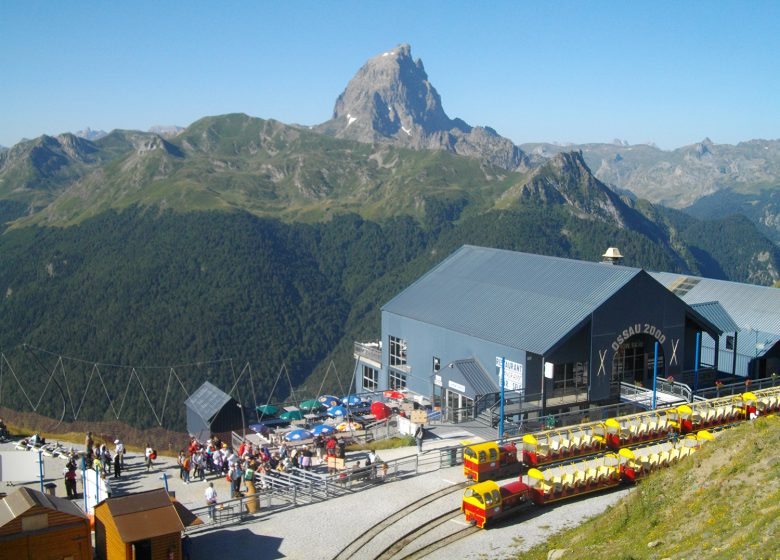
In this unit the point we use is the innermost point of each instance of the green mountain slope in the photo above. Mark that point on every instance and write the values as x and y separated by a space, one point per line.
722 502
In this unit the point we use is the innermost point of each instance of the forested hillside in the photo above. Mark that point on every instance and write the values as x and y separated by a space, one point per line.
147 290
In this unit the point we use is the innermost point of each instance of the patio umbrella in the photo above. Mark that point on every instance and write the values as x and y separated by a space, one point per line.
390 394
380 410
258 428
351 400
337 411
267 410
329 400
292 415
297 435
312 404
323 429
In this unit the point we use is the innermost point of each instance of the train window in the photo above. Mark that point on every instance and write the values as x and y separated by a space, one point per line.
468 452
493 454
482 456
488 499
471 494
496 496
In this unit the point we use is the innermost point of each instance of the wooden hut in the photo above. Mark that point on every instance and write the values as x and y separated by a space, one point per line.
142 526
212 411
36 526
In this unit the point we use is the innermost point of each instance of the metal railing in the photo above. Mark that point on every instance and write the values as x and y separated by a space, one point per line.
368 351
297 487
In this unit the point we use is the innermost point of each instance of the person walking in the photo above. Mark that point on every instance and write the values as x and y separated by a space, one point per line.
117 465
211 500
419 434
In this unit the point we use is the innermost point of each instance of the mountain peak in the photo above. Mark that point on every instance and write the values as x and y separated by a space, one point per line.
390 99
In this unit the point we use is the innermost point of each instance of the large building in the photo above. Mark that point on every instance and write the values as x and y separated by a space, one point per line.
562 332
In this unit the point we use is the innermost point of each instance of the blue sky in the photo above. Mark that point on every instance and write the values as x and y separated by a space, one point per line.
668 72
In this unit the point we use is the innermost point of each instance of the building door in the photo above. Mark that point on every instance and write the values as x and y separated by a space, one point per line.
142 550
634 361
459 407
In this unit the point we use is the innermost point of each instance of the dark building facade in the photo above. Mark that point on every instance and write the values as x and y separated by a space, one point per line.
563 332
212 411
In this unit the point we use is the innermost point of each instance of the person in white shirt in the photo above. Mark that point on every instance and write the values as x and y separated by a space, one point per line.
119 449
148 453
211 500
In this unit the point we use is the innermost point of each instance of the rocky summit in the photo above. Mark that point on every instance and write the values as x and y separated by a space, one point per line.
390 100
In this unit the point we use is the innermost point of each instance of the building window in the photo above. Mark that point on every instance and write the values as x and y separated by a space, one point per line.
396 380
436 364
570 378
729 342
397 351
370 378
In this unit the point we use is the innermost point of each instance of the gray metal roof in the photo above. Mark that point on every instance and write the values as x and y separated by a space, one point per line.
756 343
517 299
476 376
751 307
207 401
715 314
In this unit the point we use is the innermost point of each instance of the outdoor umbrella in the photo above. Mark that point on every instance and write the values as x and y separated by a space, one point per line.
323 429
292 415
393 395
351 400
380 410
297 435
337 411
312 404
258 428
329 400
267 410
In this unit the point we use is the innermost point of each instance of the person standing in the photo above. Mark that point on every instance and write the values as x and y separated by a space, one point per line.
419 434
89 444
185 469
211 500
119 450
70 481
117 465
149 453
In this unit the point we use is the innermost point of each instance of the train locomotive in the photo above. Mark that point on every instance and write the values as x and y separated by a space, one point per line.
491 460
486 502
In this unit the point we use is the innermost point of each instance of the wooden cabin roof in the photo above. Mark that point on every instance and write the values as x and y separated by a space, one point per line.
25 499
144 515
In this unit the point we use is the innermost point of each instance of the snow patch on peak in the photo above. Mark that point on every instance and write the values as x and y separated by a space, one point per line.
350 119
408 131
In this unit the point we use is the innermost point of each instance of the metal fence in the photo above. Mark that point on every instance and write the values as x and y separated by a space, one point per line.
283 490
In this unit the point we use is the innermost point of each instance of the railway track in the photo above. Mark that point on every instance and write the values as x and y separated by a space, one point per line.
408 539
363 541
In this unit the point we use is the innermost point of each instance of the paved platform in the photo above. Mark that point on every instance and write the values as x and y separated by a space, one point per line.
320 530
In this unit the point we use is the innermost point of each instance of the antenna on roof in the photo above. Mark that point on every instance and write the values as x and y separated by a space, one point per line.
612 256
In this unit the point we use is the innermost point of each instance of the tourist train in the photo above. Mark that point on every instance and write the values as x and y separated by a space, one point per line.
491 460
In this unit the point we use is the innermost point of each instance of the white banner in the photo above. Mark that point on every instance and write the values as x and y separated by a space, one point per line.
513 374
20 466
95 490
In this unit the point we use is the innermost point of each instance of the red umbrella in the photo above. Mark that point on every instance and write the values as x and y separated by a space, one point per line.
389 394
380 410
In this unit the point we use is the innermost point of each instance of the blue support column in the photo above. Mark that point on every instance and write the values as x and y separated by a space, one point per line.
655 372
696 364
501 406
40 467
84 480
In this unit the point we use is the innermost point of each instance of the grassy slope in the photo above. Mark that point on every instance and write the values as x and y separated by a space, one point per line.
721 503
